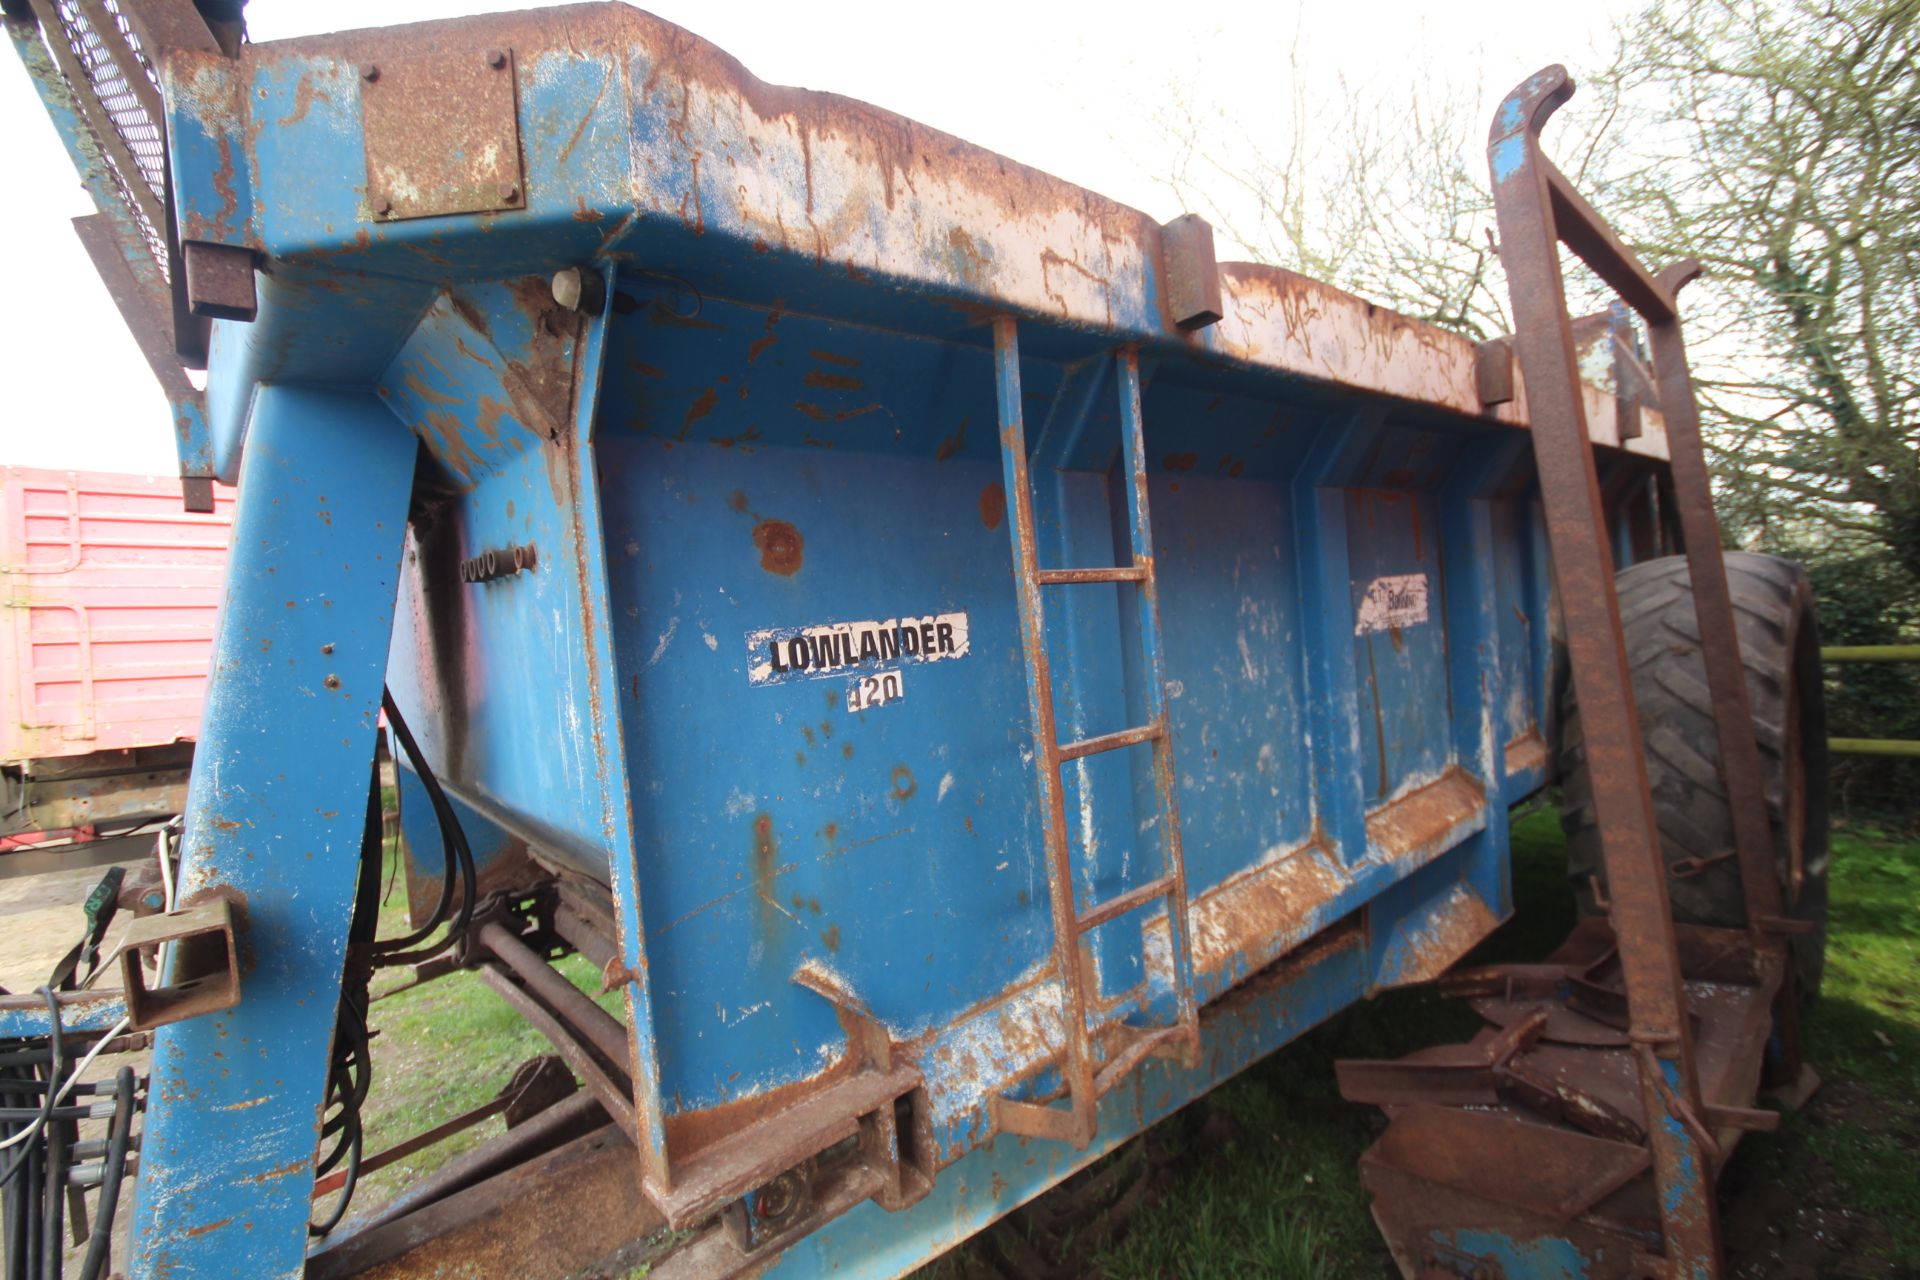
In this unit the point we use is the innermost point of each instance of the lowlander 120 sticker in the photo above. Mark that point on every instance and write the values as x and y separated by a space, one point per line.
869 652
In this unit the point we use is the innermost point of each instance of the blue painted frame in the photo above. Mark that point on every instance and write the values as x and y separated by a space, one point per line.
275 817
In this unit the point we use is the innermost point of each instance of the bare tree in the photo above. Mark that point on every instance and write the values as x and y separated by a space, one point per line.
1378 188
1780 144
1776 140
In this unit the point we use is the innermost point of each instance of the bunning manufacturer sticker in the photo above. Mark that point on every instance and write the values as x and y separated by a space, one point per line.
1393 603
853 648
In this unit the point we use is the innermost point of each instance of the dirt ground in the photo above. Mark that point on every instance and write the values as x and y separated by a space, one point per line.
1784 1218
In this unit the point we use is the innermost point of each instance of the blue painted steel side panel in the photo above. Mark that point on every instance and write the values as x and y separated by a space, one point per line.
275 815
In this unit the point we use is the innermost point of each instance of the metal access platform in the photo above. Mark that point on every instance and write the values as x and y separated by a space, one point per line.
970 670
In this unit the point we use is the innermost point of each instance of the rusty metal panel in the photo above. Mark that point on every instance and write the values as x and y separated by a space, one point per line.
442 135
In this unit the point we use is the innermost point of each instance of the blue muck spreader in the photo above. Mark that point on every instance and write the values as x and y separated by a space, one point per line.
734 502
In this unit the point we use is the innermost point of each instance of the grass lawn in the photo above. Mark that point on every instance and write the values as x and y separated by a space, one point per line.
1259 1178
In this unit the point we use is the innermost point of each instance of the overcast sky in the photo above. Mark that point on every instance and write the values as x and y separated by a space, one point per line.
1072 89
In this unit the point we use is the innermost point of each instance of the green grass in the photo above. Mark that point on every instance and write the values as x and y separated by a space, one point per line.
1259 1178
1857 1149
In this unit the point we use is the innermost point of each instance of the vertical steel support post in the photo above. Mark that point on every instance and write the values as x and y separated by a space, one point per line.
1630 839
1078 1058
610 749
1326 607
1471 602
1133 459
1740 765
275 816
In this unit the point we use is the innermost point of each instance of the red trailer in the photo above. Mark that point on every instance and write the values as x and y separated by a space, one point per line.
108 593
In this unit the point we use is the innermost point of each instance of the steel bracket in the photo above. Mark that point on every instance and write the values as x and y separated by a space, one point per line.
442 135
1193 274
204 976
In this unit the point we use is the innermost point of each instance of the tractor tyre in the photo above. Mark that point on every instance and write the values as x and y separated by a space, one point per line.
1780 648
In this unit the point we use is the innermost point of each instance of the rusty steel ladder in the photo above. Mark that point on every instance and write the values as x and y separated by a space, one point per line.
1538 210
1087 1082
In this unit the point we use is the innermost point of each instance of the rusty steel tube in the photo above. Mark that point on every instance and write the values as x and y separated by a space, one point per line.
584 936
1641 916
602 1030
1741 768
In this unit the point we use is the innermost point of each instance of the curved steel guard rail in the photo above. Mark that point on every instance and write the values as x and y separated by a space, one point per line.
1538 209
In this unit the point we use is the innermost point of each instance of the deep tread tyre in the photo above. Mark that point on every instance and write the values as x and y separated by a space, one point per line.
1780 648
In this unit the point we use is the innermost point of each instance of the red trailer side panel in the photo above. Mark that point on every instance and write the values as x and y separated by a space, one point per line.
108 592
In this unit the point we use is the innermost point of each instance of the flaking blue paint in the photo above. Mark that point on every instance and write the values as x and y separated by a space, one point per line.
1537 1258
1507 156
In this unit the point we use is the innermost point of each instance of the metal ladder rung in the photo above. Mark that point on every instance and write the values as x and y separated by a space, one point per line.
1111 741
1032 1120
1142 1046
1072 577
1113 907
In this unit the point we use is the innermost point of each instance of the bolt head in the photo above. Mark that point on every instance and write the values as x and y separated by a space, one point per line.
497 58
382 205
369 71
509 192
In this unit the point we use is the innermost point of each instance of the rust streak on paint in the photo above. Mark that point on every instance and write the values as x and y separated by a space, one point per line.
950 445
832 381
758 346
701 407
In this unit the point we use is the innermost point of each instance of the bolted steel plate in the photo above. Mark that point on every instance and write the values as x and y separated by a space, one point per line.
442 135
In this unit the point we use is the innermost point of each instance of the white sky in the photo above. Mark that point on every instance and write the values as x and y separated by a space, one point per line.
1068 88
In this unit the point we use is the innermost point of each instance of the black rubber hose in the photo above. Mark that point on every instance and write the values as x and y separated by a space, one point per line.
440 812
29 1189
318 1229
53 1202
452 835
453 839
55 1070
119 1139
14 1084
